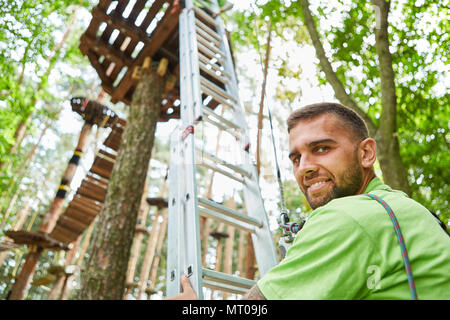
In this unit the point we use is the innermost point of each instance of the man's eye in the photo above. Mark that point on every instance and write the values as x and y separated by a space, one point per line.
296 160
322 149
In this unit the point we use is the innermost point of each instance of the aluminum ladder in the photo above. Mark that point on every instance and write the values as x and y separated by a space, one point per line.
208 80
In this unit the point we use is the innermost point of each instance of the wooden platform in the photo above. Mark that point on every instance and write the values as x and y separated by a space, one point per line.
119 38
123 33
39 239
8 245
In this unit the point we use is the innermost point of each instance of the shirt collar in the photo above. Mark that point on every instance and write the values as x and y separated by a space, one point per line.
376 184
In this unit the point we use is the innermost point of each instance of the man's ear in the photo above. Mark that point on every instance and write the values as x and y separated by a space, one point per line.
367 152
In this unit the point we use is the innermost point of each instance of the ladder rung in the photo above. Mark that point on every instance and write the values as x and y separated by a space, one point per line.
223 127
216 89
210 71
209 53
202 14
223 162
228 123
214 95
226 278
211 47
210 214
223 287
207 61
206 36
218 124
219 170
229 212
207 29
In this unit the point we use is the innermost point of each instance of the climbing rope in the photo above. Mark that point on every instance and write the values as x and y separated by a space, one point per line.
401 241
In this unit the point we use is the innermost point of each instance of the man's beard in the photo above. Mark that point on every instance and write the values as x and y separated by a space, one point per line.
349 185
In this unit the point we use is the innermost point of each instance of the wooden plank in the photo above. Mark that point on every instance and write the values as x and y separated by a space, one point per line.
101 172
107 154
114 138
85 206
90 193
71 224
110 53
35 238
61 234
100 181
103 163
80 215
126 26
90 183
121 5
165 27
154 9
106 83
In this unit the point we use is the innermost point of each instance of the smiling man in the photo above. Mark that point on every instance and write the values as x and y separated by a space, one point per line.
348 248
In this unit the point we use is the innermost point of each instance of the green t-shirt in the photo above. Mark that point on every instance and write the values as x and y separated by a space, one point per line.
348 249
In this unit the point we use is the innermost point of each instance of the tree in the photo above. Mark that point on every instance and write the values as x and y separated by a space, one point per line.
106 269
390 71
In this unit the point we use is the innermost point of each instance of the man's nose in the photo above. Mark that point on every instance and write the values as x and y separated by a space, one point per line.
307 166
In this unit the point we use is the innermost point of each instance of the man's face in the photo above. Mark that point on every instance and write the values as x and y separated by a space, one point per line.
325 159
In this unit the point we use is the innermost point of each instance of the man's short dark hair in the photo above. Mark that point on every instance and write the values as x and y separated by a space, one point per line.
345 114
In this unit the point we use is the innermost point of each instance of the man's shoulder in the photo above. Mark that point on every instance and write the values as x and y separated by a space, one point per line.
366 212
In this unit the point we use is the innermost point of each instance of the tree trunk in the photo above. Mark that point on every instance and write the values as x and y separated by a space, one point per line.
23 281
138 237
332 78
106 270
394 172
261 104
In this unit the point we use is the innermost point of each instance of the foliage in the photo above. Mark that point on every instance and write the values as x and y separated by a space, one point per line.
419 46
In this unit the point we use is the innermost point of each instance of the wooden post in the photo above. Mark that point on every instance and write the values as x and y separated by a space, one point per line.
61 280
154 268
19 289
250 259
241 253
67 287
138 237
219 251
149 254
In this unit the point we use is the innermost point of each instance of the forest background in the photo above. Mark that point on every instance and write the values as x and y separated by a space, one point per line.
322 51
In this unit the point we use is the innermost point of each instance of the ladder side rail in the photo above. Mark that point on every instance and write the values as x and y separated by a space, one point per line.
173 260
191 221
190 230
229 68
186 225
265 250
197 103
